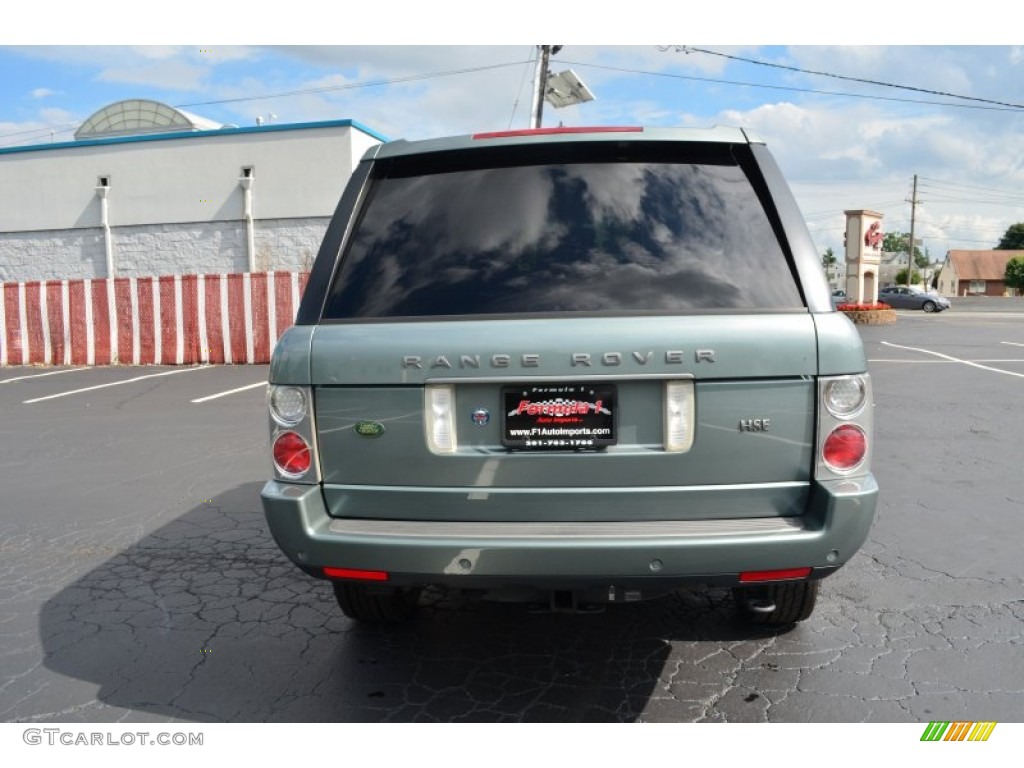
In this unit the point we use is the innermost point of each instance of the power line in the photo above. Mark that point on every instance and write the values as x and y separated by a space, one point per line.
793 89
364 84
305 91
689 49
991 193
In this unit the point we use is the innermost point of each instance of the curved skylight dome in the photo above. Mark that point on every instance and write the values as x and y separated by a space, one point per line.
133 116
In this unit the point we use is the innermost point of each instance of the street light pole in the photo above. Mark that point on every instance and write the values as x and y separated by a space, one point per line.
540 78
910 247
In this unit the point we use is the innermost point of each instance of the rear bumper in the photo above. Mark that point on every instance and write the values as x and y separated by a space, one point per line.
478 555
564 555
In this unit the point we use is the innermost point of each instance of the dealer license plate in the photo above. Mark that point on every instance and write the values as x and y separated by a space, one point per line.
559 416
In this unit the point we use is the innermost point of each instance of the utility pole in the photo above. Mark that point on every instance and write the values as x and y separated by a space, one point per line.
910 247
540 79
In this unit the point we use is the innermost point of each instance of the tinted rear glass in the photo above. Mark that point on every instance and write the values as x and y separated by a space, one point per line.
625 236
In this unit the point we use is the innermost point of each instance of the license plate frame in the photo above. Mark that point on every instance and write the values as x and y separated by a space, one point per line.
559 416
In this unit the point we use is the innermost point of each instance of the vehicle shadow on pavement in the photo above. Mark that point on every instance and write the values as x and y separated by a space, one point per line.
206 620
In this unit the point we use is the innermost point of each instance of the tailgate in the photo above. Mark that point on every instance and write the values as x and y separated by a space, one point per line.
753 426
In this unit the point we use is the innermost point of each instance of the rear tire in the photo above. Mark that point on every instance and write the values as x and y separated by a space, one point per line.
794 601
928 306
376 605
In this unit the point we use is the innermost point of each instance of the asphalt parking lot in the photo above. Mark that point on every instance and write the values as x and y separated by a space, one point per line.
138 581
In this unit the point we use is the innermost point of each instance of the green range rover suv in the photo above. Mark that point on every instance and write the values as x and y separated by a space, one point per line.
574 366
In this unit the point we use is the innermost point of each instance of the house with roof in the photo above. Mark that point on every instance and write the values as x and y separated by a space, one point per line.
976 273
147 189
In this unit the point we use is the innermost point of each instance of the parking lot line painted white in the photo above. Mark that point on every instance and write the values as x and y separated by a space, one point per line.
115 384
955 359
229 392
1012 343
37 375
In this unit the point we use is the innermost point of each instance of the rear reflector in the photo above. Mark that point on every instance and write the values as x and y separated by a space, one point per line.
355 573
779 575
551 131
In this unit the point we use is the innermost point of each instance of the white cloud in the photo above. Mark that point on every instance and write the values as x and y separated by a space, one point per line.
42 93
55 116
171 74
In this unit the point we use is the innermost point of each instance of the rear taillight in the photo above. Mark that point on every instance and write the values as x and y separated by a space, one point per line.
287 405
292 456
845 448
292 433
845 421
845 396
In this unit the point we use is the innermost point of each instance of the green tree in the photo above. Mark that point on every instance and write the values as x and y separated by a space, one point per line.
901 277
828 260
896 242
1013 240
1015 273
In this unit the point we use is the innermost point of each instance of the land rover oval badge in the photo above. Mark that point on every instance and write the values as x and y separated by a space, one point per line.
369 428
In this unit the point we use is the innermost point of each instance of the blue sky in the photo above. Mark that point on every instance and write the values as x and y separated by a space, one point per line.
842 144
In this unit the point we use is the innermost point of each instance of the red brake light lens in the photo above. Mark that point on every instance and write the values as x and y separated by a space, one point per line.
845 448
553 131
355 573
777 575
291 454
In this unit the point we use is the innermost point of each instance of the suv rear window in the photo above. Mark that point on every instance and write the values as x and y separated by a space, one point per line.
611 229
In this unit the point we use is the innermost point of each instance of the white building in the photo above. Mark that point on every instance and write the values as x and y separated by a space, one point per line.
146 189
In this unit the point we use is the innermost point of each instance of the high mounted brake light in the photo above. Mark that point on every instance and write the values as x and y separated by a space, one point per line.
552 131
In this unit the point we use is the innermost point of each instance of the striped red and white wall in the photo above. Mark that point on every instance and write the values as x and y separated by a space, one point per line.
171 320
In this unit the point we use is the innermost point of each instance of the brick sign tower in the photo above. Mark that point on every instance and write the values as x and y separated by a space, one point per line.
863 252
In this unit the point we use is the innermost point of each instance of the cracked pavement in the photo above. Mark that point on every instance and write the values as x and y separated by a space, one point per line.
139 583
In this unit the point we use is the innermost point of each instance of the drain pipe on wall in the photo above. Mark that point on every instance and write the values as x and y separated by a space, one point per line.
250 230
102 190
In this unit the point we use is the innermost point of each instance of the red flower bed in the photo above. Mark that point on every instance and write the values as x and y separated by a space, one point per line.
861 307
